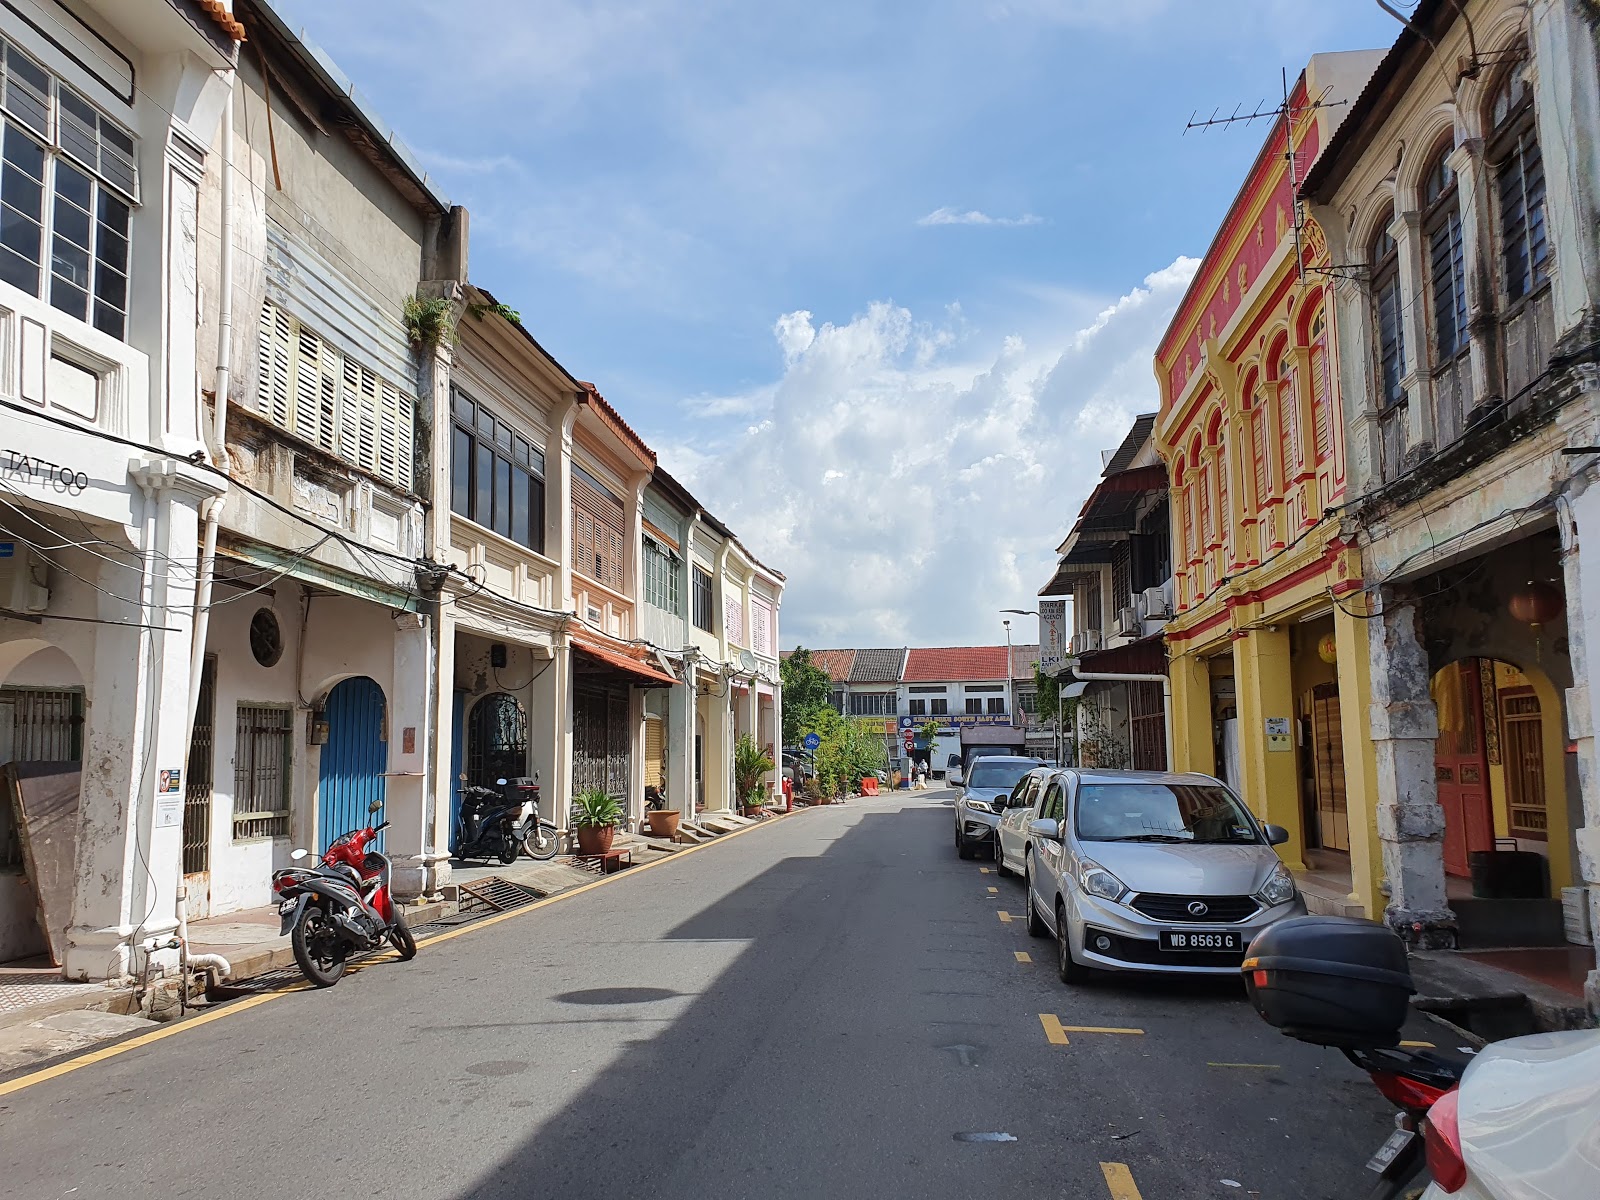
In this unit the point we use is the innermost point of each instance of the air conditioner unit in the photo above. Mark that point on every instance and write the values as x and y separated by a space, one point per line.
1086 641
1156 605
1128 623
23 579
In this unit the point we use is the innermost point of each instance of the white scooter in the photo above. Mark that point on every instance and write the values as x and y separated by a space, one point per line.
1523 1125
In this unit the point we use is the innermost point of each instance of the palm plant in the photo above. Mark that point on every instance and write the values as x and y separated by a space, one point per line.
750 765
594 809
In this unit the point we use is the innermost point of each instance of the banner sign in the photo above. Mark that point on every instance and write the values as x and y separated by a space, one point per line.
1052 635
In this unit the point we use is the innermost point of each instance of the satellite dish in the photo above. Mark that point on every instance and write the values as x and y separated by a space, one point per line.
747 661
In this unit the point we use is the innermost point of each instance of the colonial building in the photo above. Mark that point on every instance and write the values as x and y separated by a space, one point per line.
1116 566
111 116
1458 203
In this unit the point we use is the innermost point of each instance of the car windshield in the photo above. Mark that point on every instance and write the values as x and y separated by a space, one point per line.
1002 776
1163 812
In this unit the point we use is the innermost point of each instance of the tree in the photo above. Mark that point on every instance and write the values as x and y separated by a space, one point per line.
930 731
806 688
750 766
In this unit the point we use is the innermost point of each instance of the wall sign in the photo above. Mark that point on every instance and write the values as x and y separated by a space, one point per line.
1278 733
15 466
169 798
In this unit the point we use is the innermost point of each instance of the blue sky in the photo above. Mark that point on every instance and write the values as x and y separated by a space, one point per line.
878 280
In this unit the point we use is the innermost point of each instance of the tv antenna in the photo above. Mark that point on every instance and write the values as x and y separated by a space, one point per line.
1287 114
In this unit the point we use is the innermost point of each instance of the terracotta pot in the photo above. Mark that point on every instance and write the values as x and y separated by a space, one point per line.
752 810
663 822
595 839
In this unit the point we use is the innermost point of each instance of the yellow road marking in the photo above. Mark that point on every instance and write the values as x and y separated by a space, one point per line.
1098 1029
1248 1066
983 870
1023 956
1004 916
993 891
1417 1045
144 1039
1053 1032
1120 1180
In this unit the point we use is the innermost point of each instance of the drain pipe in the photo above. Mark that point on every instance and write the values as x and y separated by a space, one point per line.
1123 677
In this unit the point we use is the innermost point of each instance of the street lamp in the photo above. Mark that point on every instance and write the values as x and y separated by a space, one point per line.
1011 700
1056 720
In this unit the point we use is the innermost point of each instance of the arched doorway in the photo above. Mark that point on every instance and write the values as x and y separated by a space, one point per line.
350 774
497 740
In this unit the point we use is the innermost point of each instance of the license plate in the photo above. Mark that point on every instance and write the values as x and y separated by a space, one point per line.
1199 939
1390 1150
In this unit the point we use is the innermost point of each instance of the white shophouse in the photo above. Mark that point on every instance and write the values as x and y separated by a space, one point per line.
109 111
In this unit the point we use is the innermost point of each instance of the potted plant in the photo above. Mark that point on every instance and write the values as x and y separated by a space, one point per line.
750 766
659 821
595 817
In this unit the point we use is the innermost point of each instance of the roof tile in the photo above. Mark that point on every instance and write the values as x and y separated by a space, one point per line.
878 666
956 664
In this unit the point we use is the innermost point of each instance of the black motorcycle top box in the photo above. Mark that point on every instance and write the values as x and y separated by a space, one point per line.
1331 981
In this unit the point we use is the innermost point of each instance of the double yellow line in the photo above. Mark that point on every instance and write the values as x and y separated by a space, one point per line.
90 1057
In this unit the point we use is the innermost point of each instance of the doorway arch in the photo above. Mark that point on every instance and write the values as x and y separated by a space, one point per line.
350 773
497 740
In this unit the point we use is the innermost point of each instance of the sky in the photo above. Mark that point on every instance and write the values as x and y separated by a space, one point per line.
877 280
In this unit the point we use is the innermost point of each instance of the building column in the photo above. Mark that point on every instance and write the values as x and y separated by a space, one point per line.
680 743
635 803
1271 784
1405 725
1360 759
413 734
1193 735
130 834
439 781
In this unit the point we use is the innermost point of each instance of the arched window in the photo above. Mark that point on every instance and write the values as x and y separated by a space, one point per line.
1519 187
1261 436
1447 264
497 740
1389 337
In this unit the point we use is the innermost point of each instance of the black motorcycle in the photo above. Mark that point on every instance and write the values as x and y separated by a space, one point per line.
502 822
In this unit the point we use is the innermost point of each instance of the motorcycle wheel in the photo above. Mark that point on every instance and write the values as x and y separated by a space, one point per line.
510 845
541 842
317 948
400 936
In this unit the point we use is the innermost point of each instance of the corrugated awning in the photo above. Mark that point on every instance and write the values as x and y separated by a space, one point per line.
622 659
1147 656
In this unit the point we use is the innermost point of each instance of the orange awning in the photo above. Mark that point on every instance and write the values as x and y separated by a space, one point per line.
623 659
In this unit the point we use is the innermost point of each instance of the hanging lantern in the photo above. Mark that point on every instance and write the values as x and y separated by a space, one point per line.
1536 605
1328 648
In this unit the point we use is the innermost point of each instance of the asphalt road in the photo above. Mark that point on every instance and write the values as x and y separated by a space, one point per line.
819 1007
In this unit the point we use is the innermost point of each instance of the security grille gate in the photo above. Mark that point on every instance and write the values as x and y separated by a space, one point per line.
1147 717
600 743
497 744
350 774
41 725
197 788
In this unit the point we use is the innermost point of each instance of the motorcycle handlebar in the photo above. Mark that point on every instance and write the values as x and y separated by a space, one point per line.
375 828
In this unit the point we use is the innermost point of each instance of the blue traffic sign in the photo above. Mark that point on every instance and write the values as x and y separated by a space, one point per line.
812 741
905 722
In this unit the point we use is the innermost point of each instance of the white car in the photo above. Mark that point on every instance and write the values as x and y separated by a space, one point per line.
1143 870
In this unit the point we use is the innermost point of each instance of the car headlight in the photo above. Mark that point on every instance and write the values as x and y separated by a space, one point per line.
1098 881
1278 889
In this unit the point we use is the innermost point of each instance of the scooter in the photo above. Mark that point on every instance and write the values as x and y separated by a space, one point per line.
504 823
341 907
1523 1125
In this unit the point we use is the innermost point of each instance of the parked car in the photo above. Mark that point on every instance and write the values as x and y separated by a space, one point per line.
982 797
1143 870
952 770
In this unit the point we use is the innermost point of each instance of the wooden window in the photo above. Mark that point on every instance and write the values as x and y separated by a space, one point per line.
1321 401
1386 313
974 706
996 705
261 771
1224 511
939 707
917 708
1262 436
701 589
733 618
496 474
598 539
1520 188
1447 266
1288 416
760 626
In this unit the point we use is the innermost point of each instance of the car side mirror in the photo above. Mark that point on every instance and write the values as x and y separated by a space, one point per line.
1047 827
1277 835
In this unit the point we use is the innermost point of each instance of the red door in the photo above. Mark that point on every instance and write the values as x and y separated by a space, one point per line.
1461 766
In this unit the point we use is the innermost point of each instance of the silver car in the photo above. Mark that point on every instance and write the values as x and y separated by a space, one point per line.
1143 870
981 797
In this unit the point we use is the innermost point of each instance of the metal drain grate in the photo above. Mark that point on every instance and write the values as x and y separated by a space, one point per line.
493 895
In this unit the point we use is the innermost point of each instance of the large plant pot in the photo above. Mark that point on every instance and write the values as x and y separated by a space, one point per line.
663 822
753 810
595 839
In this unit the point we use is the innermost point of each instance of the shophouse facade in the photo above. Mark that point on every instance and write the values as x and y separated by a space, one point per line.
1458 207
960 688
111 116
1116 567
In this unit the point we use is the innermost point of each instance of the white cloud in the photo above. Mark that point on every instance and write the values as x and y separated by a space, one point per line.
950 216
910 490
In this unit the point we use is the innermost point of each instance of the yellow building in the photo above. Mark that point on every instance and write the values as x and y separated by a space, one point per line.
1268 646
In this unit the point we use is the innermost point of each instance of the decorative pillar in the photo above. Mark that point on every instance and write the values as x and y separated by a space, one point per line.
1355 384
1405 725
1271 784
1354 666
441 741
410 768
1483 323
1406 229
1193 734
1582 510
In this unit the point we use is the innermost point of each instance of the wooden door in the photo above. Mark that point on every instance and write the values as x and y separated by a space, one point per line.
1327 748
1461 766
1522 730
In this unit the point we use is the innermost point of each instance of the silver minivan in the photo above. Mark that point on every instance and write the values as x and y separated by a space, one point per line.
1143 870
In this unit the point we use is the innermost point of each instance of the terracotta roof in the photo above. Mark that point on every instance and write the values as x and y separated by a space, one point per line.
836 663
956 664
591 396
878 666
633 660
223 19
1022 660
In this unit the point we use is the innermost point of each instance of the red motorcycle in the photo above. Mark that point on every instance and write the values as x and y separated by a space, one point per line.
341 907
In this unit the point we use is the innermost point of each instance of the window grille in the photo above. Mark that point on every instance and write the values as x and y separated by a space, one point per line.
262 755
702 599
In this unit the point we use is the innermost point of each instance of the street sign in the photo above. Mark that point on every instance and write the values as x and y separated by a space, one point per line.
905 722
1052 635
812 741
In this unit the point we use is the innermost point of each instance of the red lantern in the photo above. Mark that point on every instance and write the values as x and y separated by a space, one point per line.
1538 603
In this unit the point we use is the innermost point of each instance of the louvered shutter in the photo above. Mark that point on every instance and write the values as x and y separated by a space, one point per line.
1262 455
1319 401
1224 520
273 371
1289 424
655 753
597 533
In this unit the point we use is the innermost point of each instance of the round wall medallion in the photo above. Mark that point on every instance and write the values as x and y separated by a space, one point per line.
266 640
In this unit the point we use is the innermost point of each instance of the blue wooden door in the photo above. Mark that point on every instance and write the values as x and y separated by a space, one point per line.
350 776
458 713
